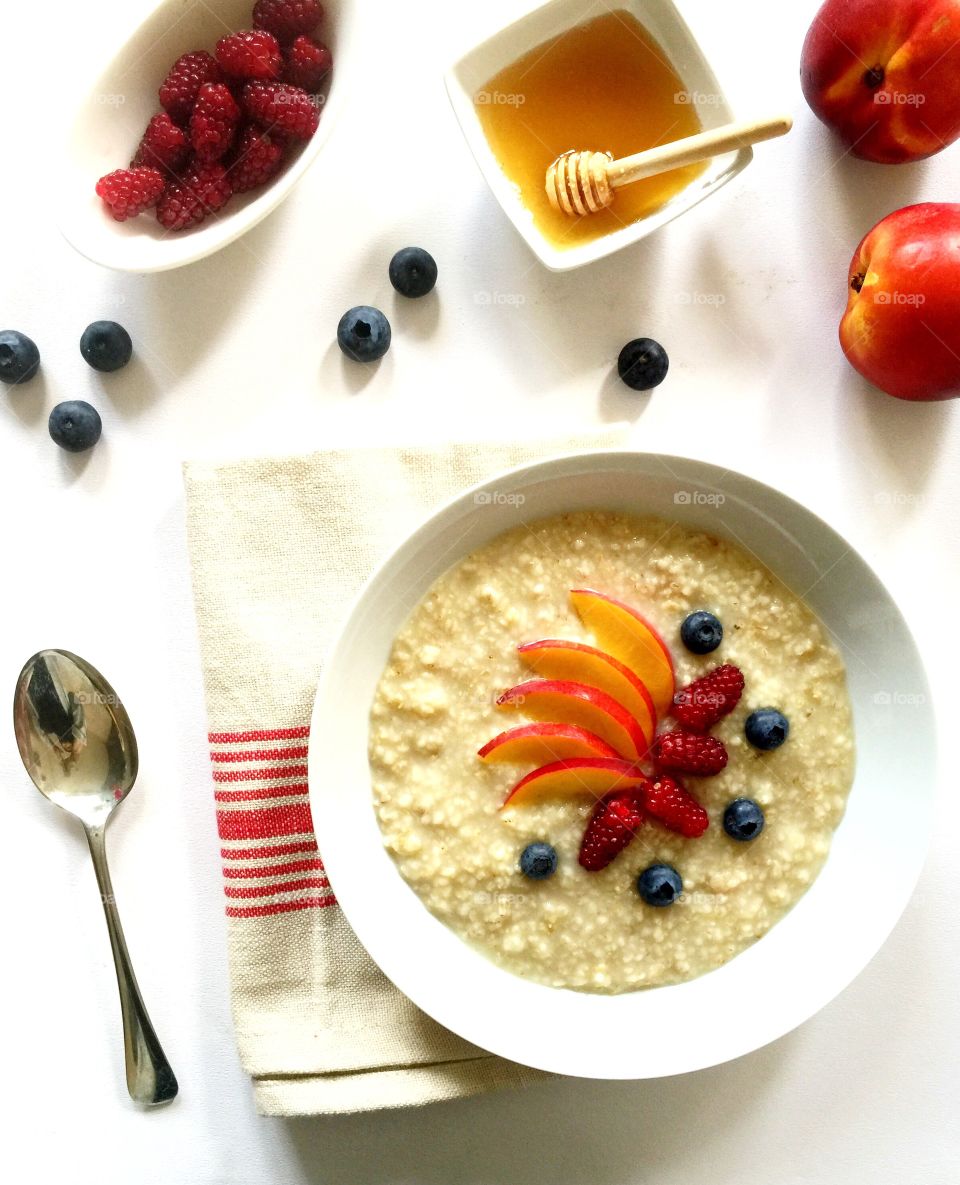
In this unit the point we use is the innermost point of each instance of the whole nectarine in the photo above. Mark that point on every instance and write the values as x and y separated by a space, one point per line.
885 75
901 329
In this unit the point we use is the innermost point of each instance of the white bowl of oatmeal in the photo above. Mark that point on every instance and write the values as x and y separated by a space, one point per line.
425 862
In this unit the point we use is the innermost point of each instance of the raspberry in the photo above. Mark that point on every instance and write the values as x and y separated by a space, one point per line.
306 63
688 753
252 53
187 202
127 192
178 91
255 159
163 145
285 19
705 701
213 123
277 104
671 804
615 821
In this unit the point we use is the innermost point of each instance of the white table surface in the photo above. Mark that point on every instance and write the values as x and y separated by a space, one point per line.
236 355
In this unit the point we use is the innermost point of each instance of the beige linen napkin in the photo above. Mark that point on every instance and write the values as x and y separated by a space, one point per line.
278 548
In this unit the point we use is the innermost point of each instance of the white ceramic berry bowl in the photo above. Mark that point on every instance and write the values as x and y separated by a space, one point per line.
110 120
661 19
805 959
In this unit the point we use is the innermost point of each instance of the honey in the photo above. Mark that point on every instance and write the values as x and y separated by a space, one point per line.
605 85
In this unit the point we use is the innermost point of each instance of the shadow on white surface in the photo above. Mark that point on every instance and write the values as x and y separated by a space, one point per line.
722 1124
188 309
898 442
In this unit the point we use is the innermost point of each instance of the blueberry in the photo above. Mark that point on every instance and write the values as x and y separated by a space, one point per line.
701 632
659 884
643 363
743 819
363 333
105 345
413 271
19 357
538 861
766 728
75 426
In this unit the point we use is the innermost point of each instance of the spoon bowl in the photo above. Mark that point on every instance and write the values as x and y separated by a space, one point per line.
111 117
78 746
74 735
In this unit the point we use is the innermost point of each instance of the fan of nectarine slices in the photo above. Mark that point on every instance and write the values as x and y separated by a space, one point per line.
592 722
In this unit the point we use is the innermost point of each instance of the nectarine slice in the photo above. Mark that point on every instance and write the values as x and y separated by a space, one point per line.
554 659
538 744
586 707
622 632
591 777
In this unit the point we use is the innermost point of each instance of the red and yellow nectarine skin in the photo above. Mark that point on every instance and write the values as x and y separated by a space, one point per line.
575 703
621 632
540 744
901 328
577 777
553 658
885 75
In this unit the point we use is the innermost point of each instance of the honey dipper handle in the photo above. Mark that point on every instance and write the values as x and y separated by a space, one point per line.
692 149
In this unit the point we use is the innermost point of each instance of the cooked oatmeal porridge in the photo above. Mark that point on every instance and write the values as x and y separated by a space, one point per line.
439 805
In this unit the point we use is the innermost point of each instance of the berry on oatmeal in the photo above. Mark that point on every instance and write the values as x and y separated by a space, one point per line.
190 71
285 19
280 105
672 804
766 728
306 63
701 632
743 819
251 53
616 819
688 753
700 704
202 191
213 122
659 885
164 145
128 192
538 861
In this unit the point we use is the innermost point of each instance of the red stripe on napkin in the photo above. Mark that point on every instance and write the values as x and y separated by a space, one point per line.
260 775
261 754
243 816
274 869
280 849
257 734
261 792
262 911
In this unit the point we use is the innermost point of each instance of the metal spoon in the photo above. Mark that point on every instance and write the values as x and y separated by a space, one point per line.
78 746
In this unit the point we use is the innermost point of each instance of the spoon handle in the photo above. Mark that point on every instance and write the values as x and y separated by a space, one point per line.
150 1079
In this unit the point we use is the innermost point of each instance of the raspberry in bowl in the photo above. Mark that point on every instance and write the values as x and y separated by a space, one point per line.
226 108
807 878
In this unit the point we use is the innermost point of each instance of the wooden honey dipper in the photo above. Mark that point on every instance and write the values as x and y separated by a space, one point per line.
583 182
